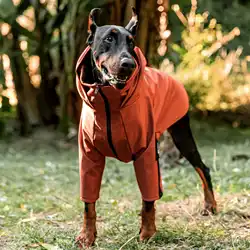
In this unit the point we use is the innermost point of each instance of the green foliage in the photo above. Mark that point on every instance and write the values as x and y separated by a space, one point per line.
230 14
5 105
212 76
7 9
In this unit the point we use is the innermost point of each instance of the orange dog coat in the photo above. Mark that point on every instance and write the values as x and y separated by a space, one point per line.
125 124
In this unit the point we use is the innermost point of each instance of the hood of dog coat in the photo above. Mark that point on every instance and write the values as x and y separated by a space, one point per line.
119 98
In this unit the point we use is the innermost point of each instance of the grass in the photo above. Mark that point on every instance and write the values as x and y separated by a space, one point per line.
40 206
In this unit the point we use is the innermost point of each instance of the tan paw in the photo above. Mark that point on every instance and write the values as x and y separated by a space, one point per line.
86 239
209 209
146 234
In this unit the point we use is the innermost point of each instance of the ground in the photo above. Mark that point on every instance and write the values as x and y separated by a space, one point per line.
40 206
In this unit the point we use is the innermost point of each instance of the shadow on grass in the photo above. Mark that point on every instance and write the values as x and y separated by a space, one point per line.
209 131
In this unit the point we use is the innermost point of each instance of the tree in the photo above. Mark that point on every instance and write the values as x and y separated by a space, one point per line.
27 107
58 38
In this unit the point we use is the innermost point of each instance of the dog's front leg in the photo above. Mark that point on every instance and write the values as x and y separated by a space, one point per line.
148 227
88 233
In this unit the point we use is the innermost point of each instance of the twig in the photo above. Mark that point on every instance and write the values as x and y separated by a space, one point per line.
59 198
128 241
214 161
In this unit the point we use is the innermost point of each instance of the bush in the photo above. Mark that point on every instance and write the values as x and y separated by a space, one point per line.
214 77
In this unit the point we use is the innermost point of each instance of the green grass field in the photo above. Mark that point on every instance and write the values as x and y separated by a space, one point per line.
40 206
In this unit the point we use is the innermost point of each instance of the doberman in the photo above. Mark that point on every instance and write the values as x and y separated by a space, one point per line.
112 62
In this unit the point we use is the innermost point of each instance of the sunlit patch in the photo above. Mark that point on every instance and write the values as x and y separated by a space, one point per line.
160 8
16 2
5 29
23 45
175 7
164 32
27 20
33 64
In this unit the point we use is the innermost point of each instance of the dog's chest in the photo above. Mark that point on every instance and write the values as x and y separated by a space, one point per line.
122 133
110 136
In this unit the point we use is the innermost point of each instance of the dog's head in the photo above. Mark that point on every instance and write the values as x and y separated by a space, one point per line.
113 49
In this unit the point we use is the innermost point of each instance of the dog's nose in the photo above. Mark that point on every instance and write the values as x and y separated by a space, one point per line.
127 63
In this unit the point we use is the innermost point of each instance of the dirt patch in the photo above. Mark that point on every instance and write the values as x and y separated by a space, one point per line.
233 214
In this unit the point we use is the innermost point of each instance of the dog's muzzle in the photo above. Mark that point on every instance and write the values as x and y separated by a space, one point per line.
118 80
127 64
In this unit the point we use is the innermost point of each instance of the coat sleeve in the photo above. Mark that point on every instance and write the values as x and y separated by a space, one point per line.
148 173
91 166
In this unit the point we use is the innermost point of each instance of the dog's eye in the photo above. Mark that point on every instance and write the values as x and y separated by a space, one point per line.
109 39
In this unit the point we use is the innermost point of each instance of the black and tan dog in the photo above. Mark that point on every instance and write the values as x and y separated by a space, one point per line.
126 107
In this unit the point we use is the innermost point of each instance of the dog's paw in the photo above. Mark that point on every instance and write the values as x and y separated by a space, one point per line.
209 209
147 234
86 239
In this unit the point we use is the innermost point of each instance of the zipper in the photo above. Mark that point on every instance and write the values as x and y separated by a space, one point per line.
108 120
158 166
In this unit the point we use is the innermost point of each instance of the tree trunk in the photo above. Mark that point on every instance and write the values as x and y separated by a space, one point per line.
65 82
128 11
146 14
48 99
2 75
22 113
26 94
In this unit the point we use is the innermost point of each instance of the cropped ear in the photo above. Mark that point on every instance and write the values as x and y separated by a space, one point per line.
92 26
133 23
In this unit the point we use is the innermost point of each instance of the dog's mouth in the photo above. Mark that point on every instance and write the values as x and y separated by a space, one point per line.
117 80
